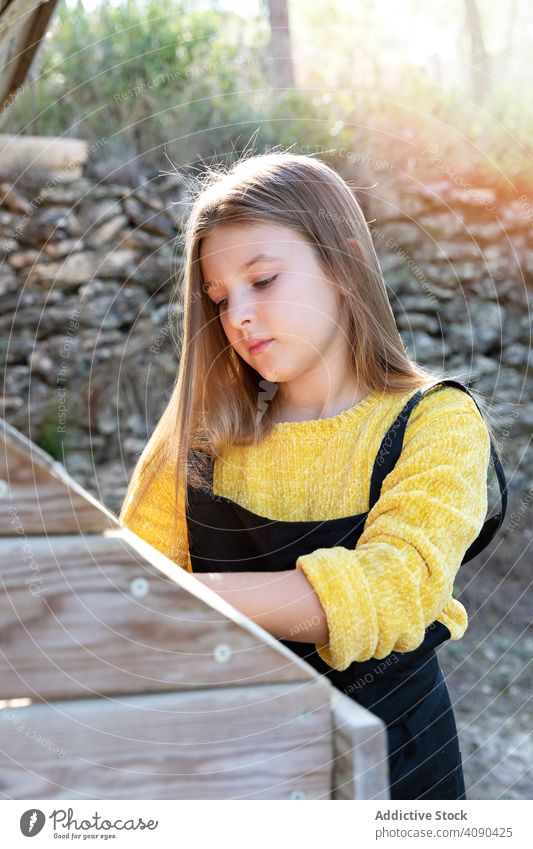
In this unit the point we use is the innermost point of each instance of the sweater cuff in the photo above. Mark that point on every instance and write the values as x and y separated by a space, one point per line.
345 596
458 624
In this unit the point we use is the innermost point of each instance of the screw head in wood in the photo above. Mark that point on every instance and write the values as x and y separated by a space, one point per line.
139 587
222 653
297 794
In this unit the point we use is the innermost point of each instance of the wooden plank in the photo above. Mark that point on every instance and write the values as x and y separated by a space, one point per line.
361 768
101 615
260 742
38 496
23 24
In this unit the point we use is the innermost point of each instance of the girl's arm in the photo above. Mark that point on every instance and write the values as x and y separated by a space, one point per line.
283 603
381 596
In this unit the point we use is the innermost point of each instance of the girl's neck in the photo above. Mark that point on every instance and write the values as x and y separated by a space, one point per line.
289 412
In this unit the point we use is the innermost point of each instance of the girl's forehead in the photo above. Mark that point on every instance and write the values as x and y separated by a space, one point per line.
240 244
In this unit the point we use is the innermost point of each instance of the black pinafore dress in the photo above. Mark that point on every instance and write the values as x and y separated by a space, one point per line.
406 690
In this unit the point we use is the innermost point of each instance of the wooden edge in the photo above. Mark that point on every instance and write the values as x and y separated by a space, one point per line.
360 766
14 438
20 443
190 584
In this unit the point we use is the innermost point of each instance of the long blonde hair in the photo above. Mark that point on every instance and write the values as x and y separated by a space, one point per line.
215 399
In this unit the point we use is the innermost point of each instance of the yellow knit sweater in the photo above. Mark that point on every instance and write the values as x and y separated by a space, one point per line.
380 596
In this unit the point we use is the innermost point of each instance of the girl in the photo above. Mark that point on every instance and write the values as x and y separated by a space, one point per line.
309 472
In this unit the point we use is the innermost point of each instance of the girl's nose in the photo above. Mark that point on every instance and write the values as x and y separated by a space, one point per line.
240 312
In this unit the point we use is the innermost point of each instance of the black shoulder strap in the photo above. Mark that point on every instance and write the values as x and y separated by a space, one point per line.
390 450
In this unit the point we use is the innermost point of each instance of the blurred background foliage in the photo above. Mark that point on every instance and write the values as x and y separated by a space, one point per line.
182 81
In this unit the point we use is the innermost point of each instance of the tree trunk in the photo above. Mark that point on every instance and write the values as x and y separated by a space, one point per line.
280 52
479 63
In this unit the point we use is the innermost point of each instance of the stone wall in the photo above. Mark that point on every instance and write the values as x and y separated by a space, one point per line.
87 335
86 328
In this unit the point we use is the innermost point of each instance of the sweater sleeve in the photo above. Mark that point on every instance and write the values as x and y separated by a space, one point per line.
381 596
150 514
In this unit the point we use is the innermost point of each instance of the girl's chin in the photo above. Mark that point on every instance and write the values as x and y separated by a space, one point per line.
268 372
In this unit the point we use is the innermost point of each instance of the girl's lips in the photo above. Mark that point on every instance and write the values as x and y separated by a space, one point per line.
258 349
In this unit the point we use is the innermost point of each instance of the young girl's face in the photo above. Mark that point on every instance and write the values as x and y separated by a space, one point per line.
269 285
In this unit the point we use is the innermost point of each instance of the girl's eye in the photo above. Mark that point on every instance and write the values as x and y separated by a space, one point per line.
262 284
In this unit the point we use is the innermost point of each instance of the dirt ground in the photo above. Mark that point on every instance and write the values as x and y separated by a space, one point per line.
489 674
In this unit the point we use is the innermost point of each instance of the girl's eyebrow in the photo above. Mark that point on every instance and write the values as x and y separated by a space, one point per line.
260 258
254 261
